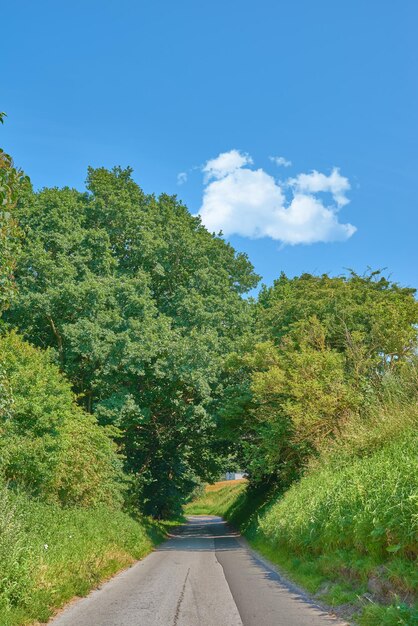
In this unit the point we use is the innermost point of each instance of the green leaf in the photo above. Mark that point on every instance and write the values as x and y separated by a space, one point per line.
394 548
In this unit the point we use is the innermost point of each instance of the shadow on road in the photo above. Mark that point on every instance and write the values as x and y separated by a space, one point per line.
202 534
213 534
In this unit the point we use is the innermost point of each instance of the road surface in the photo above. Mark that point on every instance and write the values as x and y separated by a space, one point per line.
204 575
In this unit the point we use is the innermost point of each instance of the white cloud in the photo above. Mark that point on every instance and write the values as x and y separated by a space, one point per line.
238 199
181 178
225 163
315 182
281 161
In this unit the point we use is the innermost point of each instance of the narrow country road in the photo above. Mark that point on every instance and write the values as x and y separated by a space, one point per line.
203 576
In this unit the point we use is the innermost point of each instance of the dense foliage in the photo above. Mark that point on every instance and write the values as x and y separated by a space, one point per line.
140 304
324 408
49 446
366 505
324 347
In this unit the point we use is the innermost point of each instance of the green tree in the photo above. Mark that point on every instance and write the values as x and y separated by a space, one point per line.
322 350
140 304
367 313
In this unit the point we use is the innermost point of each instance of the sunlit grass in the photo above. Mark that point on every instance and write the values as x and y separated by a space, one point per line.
55 554
217 499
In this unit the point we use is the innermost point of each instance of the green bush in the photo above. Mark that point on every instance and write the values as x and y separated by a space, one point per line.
49 446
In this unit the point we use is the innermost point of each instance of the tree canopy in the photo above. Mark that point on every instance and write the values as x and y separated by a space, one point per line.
140 304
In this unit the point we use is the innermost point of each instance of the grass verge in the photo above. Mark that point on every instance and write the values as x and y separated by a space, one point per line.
49 554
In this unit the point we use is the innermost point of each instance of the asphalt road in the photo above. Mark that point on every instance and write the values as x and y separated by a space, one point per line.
204 575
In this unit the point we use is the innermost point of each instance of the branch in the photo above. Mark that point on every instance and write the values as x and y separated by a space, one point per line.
58 337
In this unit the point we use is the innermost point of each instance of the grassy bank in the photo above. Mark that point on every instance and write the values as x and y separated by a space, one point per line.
346 531
49 554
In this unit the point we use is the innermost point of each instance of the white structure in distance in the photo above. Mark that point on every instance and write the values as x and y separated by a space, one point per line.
235 475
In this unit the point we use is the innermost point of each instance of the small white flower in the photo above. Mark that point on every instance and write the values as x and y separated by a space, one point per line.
46 546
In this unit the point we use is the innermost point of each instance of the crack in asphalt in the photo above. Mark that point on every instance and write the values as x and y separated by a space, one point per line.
180 600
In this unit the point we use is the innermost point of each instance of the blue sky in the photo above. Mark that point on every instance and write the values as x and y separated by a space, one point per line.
167 87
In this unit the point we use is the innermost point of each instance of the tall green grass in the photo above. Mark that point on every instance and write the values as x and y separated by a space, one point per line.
368 505
347 529
49 554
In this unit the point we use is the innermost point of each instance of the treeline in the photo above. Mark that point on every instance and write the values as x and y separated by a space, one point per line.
175 375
